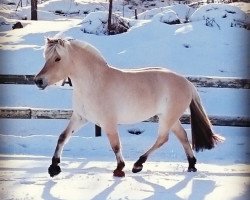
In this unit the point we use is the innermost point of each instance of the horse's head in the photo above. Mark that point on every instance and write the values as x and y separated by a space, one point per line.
57 62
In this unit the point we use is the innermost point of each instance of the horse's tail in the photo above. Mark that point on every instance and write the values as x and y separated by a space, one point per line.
202 133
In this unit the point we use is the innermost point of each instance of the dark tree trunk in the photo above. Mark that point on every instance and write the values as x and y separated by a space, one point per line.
110 17
33 9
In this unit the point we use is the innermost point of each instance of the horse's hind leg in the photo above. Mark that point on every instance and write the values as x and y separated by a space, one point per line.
181 134
163 134
115 143
75 123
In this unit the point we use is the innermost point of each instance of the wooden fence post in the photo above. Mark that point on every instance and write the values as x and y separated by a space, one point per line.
98 131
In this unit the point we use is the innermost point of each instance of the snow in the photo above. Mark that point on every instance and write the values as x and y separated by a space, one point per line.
183 12
189 48
222 15
97 23
168 17
168 181
94 22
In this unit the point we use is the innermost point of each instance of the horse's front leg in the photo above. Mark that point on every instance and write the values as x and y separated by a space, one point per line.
115 143
76 122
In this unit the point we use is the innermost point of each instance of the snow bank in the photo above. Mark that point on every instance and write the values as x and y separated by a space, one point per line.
53 9
5 25
221 16
167 17
182 11
97 23
8 2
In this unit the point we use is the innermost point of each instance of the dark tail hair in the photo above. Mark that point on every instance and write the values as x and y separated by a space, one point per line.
202 134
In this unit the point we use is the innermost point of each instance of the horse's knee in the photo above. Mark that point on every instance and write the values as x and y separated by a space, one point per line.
116 148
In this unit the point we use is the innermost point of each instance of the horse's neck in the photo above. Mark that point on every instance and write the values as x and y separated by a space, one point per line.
88 68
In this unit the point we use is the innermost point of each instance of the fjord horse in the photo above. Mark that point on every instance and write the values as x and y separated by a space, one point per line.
108 96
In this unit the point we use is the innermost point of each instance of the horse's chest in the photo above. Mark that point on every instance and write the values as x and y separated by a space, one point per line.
87 107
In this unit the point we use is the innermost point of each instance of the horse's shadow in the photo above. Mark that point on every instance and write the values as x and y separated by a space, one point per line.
47 190
51 183
200 187
105 193
160 192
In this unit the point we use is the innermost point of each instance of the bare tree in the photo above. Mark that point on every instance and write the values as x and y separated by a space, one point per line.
33 9
110 17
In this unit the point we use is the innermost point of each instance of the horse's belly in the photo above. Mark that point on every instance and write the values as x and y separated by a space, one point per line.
135 114
129 119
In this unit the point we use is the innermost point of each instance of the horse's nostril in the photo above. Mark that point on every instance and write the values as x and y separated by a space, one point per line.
39 81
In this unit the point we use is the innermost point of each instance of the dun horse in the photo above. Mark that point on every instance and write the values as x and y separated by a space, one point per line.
108 96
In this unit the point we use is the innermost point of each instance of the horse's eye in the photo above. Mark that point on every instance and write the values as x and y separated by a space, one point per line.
57 59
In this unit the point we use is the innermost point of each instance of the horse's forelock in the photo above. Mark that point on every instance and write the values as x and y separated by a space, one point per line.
55 47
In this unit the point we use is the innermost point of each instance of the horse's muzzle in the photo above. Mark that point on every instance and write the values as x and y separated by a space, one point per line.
41 82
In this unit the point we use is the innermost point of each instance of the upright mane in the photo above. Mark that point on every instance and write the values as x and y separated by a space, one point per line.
59 47
56 47
90 50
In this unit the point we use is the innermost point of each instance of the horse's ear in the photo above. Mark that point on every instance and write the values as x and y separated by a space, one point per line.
61 42
48 40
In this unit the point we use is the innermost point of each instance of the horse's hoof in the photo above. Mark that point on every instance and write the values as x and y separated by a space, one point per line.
118 173
137 169
192 169
54 170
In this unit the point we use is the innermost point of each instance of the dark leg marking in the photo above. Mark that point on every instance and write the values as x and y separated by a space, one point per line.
139 164
192 162
116 149
118 171
62 138
120 165
54 168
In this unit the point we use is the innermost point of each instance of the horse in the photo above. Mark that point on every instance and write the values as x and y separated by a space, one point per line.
108 96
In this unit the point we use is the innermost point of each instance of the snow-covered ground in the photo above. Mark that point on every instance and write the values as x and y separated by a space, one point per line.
200 47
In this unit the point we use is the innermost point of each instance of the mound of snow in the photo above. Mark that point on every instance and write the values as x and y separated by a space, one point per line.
168 17
97 23
8 2
4 24
182 11
220 15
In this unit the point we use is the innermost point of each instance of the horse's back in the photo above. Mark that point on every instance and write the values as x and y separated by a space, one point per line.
158 79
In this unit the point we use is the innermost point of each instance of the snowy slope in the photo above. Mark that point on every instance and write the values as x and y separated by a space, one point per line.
87 163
